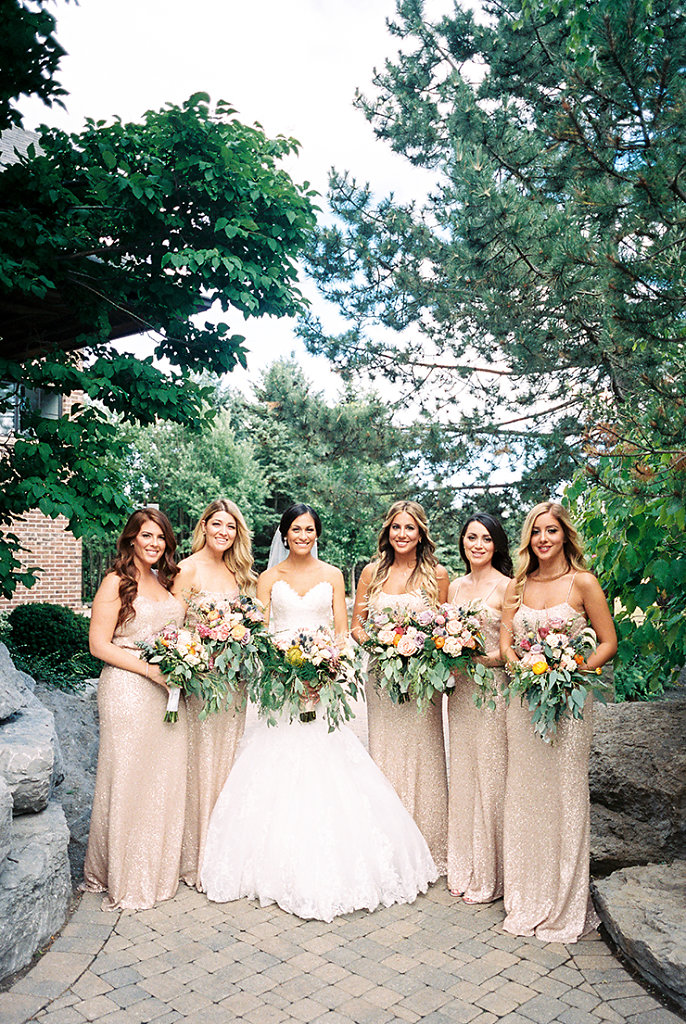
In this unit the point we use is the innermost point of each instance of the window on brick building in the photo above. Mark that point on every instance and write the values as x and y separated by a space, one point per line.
16 402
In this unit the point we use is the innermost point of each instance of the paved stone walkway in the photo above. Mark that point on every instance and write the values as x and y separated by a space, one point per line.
438 961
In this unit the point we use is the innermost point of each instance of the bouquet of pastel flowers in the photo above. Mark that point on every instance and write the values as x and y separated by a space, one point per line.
415 653
549 674
183 660
303 669
205 657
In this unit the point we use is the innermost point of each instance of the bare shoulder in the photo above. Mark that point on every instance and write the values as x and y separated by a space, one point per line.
331 574
587 583
109 588
367 573
441 573
188 570
502 584
266 579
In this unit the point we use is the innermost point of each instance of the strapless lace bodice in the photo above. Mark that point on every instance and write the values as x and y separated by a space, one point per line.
291 610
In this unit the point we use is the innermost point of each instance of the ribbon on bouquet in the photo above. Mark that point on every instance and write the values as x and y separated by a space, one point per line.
172 712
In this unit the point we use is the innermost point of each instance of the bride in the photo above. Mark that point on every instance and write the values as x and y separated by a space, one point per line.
306 819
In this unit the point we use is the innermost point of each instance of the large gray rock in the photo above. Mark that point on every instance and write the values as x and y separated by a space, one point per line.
30 758
5 820
644 910
76 722
35 887
638 783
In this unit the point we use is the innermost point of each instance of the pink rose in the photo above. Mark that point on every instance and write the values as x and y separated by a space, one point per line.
407 646
425 617
543 632
525 645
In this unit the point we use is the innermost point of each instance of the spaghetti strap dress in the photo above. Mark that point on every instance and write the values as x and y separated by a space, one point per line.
409 748
547 810
212 746
134 844
478 765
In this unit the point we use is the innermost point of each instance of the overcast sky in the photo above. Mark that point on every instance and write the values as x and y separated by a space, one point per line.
292 65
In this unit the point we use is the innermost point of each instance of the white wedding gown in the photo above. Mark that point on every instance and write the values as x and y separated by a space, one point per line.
306 819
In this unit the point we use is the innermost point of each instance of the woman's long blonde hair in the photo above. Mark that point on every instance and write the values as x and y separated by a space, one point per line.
527 561
238 558
424 573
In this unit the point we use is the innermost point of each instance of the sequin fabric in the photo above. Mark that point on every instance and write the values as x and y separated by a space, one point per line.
409 748
547 814
134 845
478 764
212 746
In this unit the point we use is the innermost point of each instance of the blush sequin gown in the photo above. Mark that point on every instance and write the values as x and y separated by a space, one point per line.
306 819
212 746
409 748
134 845
547 813
478 765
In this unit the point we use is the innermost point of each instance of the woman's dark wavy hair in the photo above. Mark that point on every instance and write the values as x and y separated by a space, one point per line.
501 554
124 565
292 513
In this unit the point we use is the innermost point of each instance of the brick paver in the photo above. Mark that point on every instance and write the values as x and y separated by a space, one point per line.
437 961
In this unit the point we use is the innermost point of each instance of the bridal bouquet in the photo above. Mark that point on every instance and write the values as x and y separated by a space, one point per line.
183 660
415 653
303 669
549 676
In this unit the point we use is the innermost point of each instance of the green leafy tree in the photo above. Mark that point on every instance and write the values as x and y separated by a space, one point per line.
539 289
631 508
182 470
346 458
29 57
116 229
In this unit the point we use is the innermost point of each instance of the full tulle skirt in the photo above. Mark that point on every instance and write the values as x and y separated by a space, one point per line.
307 820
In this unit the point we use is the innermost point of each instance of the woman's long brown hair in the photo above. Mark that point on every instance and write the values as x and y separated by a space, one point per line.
124 565
424 574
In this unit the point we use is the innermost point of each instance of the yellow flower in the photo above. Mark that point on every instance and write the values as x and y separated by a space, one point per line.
539 667
238 632
294 656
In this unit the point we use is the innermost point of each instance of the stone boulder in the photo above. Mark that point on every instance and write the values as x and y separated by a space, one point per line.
643 910
30 758
76 722
638 783
35 886
5 820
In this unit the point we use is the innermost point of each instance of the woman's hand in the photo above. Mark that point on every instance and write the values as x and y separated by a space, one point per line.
155 675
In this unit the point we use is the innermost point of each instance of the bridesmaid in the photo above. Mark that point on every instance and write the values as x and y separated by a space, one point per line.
219 568
134 846
407 745
547 809
478 742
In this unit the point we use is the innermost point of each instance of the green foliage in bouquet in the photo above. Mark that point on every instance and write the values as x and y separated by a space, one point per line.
303 670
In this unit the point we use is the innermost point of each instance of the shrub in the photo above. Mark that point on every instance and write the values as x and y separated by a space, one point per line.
638 680
51 643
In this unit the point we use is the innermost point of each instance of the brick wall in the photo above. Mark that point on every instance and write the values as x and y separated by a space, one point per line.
50 545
